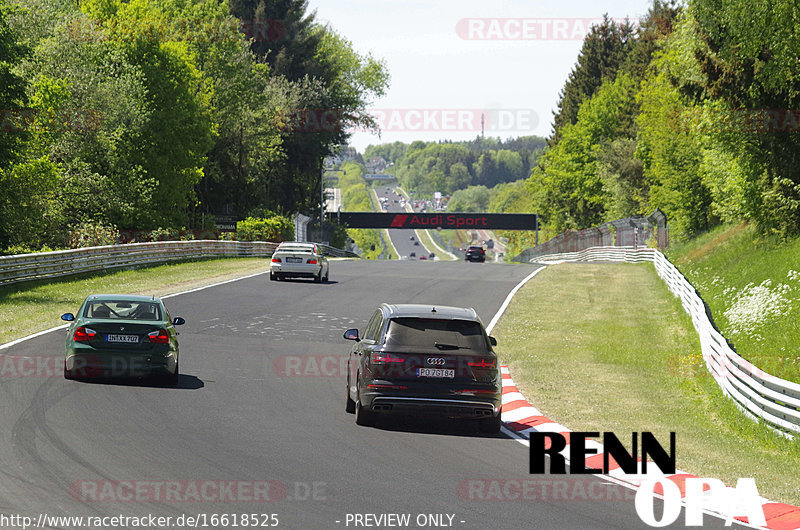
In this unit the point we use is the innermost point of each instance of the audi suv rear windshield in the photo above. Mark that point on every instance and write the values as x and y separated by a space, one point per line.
436 333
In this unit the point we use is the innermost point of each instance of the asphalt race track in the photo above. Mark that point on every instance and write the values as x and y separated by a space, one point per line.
400 236
261 398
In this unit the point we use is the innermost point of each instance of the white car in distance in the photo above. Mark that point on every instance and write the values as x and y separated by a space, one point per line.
299 260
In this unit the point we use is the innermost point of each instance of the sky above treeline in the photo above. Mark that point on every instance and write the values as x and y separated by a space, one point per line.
460 66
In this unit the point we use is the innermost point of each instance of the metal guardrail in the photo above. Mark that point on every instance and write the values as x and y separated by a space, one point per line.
626 254
337 252
39 265
637 231
757 393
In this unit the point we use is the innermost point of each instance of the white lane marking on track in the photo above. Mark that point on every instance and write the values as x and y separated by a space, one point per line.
37 334
508 299
214 285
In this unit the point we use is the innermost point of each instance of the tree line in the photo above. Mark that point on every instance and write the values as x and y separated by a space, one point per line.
147 114
427 167
693 111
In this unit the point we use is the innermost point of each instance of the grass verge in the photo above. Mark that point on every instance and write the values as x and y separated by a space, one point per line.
751 283
389 246
28 307
608 348
457 237
426 240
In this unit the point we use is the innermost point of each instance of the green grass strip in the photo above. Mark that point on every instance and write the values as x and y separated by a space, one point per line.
751 283
28 307
606 347
426 240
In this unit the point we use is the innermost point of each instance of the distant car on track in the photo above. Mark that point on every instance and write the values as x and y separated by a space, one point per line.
122 335
299 260
424 360
475 253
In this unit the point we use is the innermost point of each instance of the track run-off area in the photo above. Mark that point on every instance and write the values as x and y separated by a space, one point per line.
257 424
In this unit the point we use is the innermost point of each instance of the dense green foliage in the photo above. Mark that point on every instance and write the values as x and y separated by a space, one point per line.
274 228
148 114
427 167
694 113
390 152
471 199
12 93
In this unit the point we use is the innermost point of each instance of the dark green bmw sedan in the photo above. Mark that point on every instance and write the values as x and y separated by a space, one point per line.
122 335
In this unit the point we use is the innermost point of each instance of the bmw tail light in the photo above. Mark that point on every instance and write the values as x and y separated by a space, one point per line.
312 261
276 260
83 334
379 357
158 337
482 364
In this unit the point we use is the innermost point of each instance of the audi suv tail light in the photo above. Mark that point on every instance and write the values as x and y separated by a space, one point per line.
482 364
380 357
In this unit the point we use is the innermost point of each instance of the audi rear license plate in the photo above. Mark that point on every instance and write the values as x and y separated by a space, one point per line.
294 260
133 339
436 372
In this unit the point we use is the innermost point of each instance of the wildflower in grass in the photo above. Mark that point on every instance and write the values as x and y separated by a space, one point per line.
755 305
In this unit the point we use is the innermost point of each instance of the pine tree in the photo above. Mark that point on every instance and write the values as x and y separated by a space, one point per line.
655 27
603 51
284 35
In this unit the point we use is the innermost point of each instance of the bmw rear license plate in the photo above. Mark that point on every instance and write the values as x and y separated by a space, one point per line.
436 372
294 260
133 339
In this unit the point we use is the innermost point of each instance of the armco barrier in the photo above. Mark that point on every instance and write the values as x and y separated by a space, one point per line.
337 252
757 393
39 265
633 231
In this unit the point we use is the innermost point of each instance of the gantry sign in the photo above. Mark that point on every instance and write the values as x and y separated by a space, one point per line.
447 221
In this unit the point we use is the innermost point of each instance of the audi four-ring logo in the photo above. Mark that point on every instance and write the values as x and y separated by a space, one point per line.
436 361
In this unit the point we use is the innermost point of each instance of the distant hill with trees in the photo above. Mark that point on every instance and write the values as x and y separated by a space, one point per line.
427 167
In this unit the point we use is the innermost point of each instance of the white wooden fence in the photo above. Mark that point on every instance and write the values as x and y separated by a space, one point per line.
757 393
22 267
